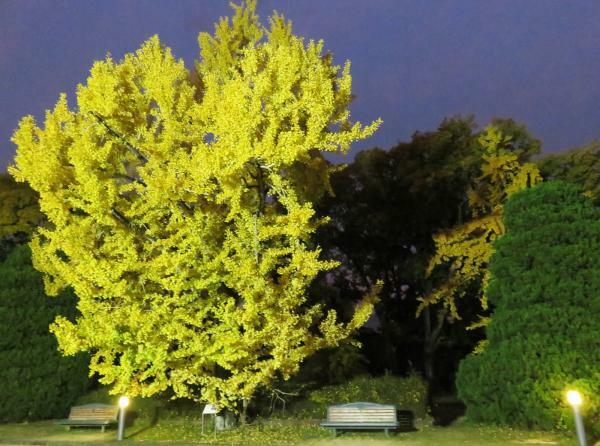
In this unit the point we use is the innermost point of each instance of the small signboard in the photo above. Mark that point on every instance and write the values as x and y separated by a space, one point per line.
210 409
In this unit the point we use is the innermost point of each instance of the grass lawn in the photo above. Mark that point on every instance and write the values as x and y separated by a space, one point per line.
184 431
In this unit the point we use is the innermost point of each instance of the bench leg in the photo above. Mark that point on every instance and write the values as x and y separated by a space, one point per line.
103 428
387 433
334 432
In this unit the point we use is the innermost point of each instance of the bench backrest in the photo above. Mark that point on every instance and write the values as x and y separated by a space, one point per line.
362 413
94 412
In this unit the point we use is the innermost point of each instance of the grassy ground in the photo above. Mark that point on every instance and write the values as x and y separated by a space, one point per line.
184 431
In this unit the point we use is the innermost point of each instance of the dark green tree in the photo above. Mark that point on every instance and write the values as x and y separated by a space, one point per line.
544 335
386 207
520 141
388 204
36 382
19 213
579 166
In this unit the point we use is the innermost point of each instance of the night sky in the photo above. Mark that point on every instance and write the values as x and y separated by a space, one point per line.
413 62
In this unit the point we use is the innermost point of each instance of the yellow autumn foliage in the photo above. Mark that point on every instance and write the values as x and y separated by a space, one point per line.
465 250
182 212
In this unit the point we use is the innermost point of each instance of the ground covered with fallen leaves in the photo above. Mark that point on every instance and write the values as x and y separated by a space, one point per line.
273 432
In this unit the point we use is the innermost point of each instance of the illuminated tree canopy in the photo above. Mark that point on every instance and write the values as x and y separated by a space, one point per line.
181 212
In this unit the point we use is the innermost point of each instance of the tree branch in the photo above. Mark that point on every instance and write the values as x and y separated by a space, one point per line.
262 189
120 137
129 178
441 317
122 219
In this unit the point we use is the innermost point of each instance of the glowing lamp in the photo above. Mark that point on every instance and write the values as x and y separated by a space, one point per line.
574 398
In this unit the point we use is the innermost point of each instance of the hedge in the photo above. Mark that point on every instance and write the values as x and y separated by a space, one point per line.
36 382
544 337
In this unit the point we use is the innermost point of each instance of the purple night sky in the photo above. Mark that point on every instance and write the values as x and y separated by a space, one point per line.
414 62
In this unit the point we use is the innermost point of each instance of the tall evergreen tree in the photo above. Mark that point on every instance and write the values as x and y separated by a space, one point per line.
544 335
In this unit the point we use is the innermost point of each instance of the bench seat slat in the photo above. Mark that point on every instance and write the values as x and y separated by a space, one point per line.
360 417
93 414
373 423
85 422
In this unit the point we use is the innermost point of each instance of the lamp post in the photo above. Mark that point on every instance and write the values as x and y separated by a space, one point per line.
575 400
123 403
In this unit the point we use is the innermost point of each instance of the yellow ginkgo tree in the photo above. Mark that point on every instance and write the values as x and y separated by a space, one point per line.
462 252
180 210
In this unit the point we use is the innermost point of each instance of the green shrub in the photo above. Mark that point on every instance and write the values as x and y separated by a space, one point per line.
161 405
407 393
36 382
544 336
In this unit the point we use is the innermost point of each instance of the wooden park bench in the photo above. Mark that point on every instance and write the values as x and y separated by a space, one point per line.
361 416
94 415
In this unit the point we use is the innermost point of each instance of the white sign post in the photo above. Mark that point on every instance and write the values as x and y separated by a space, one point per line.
210 409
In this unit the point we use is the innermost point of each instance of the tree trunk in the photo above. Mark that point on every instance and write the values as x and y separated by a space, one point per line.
244 413
428 347
431 343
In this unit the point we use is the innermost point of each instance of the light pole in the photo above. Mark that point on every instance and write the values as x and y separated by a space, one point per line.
575 400
123 403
